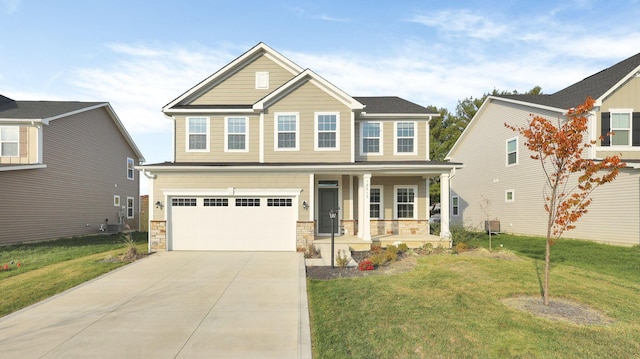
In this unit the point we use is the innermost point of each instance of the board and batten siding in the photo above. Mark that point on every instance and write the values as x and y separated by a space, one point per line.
625 97
216 151
388 141
240 87
482 184
27 147
199 182
306 101
86 159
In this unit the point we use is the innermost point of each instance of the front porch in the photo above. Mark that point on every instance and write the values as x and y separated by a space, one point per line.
358 244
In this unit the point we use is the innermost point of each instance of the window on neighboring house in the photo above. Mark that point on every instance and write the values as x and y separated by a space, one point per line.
327 136
262 80
370 134
9 141
620 127
405 202
512 151
405 137
455 206
197 133
130 207
116 200
375 203
130 169
236 130
286 131
509 196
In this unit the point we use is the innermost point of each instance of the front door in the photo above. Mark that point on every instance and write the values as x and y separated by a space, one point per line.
328 200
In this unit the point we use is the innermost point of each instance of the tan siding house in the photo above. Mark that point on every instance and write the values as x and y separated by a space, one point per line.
501 182
265 151
79 177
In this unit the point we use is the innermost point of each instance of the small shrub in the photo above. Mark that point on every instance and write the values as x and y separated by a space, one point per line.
311 252
378 259
366 265
427 248
376 248
341 259
130 245
461 247
402 247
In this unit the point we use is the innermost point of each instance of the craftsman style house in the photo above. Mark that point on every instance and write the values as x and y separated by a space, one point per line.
501 182
265 150
66 169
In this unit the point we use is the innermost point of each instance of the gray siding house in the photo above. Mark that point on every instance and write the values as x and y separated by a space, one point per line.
66 169
501 182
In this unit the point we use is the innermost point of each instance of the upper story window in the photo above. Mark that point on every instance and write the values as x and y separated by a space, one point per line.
327 131
370 138
262 80
405 138
375 202
197 134
512 151
9 141
130 169
286 134
406 202
620 127
236 134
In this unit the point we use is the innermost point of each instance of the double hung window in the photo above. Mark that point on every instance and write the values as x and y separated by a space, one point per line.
327 137
406 202
371 134
405 137
236 131
286 136
9 141
197 134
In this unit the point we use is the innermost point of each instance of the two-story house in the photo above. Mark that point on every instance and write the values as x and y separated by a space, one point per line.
501 182
264 150
66 169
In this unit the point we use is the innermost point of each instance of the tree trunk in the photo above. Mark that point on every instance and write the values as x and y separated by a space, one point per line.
547 259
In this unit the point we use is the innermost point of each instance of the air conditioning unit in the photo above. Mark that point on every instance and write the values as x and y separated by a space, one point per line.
492 227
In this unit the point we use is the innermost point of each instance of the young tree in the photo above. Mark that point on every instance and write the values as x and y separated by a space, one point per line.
560 152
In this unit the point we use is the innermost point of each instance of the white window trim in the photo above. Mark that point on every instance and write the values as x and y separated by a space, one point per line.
395 201
262 75
506 147
226 134
133 207
381 152
16 142
133 171
116 200
455 206
628 111
208 134
415 139
513 195
316 132
275 131
381 188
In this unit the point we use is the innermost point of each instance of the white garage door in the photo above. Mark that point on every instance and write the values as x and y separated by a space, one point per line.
232 223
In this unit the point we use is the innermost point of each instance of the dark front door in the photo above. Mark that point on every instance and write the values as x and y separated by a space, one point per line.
328 200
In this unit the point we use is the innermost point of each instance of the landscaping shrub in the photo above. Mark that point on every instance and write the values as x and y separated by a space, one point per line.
366 265
342 259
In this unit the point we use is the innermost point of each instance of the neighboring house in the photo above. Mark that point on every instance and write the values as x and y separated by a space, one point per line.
264 150
501 182
66 169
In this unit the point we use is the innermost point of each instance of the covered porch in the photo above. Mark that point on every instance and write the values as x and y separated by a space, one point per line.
357 244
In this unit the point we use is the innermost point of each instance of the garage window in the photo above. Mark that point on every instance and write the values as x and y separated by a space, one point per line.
279 202
247 202
216 202
183 202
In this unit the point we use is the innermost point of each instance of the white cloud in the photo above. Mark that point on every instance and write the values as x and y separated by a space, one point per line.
463 22
9 6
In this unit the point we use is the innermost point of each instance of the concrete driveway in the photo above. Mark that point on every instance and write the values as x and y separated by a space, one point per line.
173 305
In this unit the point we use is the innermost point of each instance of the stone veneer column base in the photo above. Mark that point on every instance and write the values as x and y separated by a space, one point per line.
305 234
158 236
399 227
350 227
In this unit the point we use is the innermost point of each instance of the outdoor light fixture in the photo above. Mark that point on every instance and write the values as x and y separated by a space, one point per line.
159 204
305 205
333 214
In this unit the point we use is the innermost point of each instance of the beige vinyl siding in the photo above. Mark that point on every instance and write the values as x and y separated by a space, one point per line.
482 183
627 96
240 87
186 181
307 100
216 151
86 158
388 141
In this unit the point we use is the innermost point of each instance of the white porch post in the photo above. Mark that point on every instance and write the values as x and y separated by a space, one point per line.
427 200
444 206
360 206
366 213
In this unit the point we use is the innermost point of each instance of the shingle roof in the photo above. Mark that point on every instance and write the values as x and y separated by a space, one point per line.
391 104
595 86
39 109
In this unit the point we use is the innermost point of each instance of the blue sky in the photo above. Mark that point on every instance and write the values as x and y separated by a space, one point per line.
140 55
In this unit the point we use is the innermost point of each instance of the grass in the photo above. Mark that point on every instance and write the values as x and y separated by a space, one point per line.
48 268
450 306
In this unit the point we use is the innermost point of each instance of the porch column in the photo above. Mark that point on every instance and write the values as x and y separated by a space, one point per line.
360 206
427 200
366 203
444 206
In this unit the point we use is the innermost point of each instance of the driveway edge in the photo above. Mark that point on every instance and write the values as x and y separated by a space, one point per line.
304 344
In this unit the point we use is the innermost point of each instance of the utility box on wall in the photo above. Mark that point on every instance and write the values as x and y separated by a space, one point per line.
492 227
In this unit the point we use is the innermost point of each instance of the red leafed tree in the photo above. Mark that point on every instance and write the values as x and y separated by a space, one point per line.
559 148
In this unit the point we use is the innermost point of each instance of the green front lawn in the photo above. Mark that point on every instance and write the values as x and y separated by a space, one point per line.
48 268
450 306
